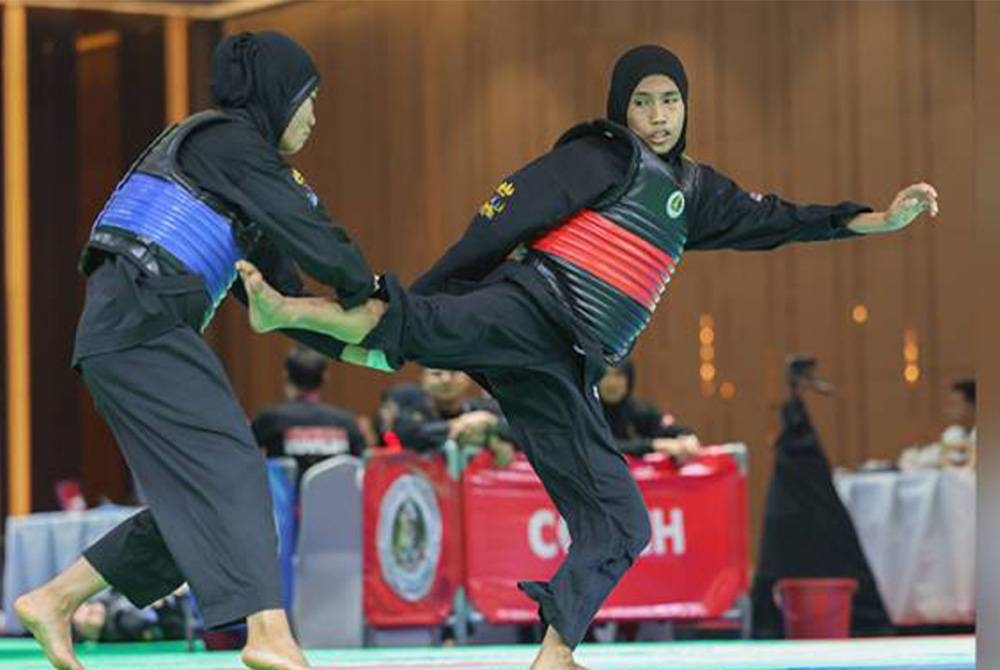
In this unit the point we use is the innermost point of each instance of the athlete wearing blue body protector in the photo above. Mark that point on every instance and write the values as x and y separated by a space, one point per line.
209 191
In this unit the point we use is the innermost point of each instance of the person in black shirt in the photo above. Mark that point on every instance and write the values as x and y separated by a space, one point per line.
161 257
450 413
638 427
597 227
303 427
396 402
424 418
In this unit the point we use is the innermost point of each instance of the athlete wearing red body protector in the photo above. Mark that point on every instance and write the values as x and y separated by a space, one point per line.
537 331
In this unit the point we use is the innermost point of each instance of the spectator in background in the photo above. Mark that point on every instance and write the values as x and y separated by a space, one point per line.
638 427
957 445
444 408
961 411
807 531
405 398
304 427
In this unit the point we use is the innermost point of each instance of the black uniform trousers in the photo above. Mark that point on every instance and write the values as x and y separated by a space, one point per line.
514 338
188 443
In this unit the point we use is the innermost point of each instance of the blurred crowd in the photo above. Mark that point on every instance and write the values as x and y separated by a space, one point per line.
444 406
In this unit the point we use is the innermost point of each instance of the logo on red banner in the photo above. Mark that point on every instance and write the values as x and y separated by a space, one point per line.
408 537
412 559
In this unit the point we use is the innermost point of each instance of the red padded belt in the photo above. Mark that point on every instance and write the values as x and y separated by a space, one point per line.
596 244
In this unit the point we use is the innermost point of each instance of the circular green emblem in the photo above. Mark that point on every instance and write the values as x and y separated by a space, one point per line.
675 204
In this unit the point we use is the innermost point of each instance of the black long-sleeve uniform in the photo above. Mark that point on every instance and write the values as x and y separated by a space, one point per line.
576 175
502 322
161 389
335 432
424 427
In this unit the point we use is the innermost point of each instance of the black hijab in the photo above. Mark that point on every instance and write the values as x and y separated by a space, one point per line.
265 74
630 69
620 415
409 398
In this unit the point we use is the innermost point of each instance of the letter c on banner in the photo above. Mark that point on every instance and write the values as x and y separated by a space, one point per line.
544 549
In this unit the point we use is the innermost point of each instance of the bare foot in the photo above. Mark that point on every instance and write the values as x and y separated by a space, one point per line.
550 662
265 304
260 659
554 657
556 664
49 621
555 654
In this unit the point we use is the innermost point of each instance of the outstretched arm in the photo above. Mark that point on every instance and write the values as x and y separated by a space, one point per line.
727 217
904 210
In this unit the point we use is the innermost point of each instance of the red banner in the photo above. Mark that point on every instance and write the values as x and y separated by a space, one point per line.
411 542
694 567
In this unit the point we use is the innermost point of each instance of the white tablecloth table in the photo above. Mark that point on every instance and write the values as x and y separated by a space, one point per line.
39 546
917 530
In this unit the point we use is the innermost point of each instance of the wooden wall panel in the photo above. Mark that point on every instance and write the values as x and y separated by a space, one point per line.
100 163
425 106
55 287
3 326
96 99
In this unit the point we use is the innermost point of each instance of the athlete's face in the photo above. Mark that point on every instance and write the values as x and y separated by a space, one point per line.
656 112
300 127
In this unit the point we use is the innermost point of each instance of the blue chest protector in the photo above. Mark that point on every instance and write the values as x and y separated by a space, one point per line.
156 208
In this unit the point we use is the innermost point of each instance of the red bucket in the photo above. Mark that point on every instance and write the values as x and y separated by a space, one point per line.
816 608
